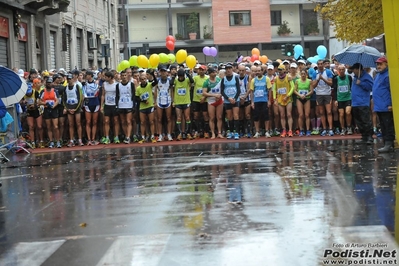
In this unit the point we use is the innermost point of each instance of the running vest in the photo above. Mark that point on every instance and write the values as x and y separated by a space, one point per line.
304 87
343 89
163 97
109 93
72 98
230 88
243 86
282 89
198 85
49 96
125 96
322 87
91 90
260 90
31 100
212 87
145 94
182 92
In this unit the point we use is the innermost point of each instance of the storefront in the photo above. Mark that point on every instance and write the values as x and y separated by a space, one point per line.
4 36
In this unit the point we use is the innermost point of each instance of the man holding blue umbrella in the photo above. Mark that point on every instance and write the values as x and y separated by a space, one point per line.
362 85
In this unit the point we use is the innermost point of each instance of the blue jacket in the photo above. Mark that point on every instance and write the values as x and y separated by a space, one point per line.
361 92
381 92
3 109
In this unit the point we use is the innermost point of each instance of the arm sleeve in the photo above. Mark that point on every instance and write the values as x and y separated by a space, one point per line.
237 87
274 91
292 88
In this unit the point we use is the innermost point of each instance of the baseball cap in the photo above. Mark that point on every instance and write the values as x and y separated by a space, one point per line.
162 67
37 81
49 80
69 76
257 62
270 67
293 65
301 62
21 73
286 62
202 67
197 66
33 71
211 70
56 76
281 67
382 59
172 67
228 65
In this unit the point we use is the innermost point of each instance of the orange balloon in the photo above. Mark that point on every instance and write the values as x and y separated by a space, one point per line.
279 60
264 59
255 51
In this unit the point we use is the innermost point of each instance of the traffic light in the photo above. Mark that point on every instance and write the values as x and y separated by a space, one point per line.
283 49
289 49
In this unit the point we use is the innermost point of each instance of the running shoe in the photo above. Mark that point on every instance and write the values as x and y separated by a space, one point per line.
283 134
170 137
70 144
290 133
183 136
189 137
249 135
135 138
126 140
349 131
160 138
308 133
196 135
102 141
301 133
41 145
331 133
153 139
80 142
236 136
256 135
337 132
33 145
89 143
51 145
116 140
323 133
107 141
315 132
343 132
206 135
297 132
276 132
95 142
229 135
268 134
59 145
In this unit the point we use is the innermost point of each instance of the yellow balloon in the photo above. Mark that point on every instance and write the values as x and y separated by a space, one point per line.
154 60
191 61
142 61
181 56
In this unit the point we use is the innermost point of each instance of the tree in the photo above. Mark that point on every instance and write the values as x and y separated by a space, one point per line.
354 20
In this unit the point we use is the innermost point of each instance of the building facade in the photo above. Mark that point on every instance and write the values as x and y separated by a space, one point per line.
232 27
53 34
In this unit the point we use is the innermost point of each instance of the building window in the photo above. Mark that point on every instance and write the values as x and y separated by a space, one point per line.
275 17
240 18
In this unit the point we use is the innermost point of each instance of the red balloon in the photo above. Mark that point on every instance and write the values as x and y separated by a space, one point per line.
254 57
170 38
170 45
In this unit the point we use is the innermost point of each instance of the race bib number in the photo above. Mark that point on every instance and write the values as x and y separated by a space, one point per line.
163 100
343 88
30 101
125 100
145 96
110 99
90 94
303 92
214 90
51 102
259 93
282 91
199 91
230 92
181 91
72 101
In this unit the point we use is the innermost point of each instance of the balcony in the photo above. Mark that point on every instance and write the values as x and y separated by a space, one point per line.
163 4
49 7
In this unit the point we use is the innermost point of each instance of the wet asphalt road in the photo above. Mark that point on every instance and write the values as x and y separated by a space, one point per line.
273 203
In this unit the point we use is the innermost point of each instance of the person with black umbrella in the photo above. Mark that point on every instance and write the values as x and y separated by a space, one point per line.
362 85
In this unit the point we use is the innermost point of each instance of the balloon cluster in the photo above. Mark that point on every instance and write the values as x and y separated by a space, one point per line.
255 55
321 54
170 42
210 51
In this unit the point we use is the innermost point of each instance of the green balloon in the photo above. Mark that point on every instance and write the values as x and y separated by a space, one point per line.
171 58
133 61
124 64
163 58
119 68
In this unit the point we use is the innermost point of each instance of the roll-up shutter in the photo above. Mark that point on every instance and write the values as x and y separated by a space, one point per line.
67 63
22 55
52 51
3 52
79 52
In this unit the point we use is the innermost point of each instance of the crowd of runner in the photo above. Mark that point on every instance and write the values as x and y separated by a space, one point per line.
231 100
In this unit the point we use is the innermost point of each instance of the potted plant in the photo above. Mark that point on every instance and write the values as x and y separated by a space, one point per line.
192 25
178 36
283 29
207 34
312 28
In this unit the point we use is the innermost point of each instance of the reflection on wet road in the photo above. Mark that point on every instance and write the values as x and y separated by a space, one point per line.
274 203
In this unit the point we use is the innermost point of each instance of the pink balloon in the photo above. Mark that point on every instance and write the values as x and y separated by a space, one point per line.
240 59
213 52
206 50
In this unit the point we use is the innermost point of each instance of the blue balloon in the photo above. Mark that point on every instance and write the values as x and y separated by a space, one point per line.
317 58
298 49
312 60
296 56
321 51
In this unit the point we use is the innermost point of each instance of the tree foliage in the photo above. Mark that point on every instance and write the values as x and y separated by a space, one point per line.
354 20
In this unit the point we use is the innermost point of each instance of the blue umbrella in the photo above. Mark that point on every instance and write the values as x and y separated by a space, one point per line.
12 87
363 54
